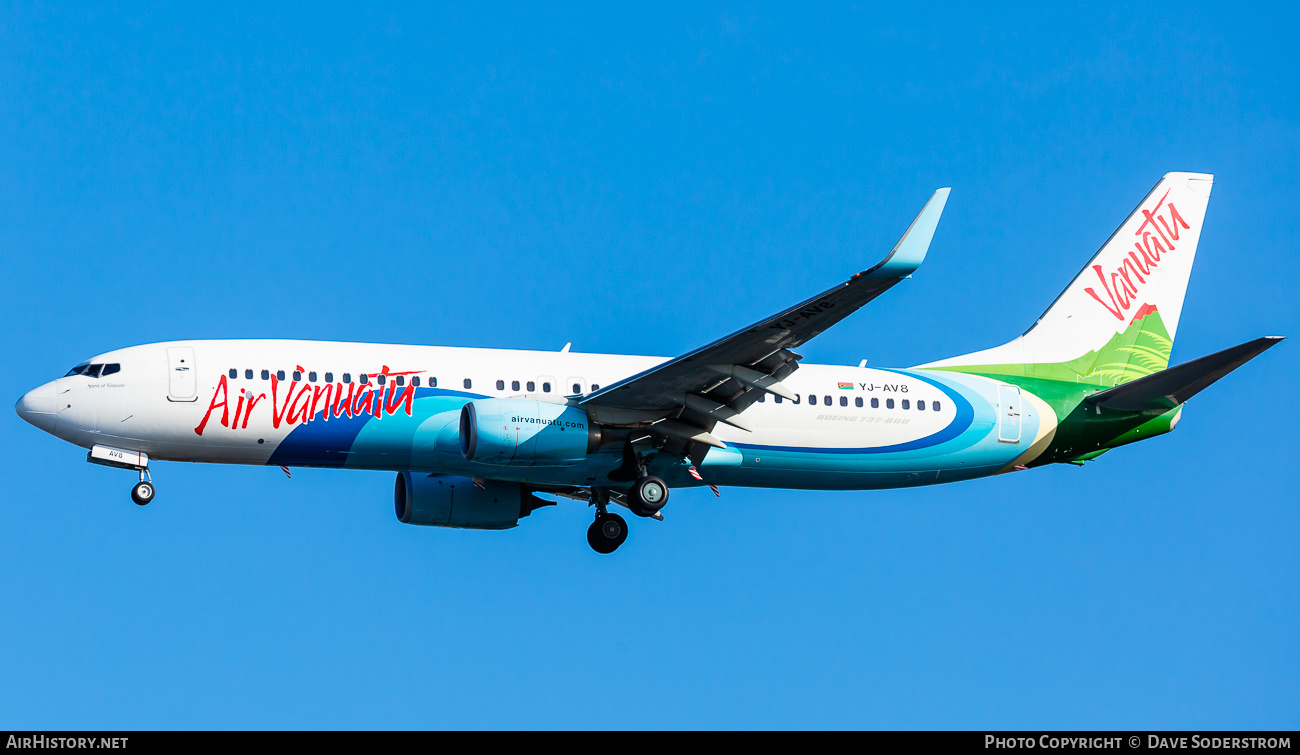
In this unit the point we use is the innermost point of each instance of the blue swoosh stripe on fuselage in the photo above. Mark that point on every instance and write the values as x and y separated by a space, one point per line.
333 443
967 447
962 421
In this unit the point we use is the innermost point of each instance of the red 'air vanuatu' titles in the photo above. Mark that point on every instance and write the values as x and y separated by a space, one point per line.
1157 239
302 402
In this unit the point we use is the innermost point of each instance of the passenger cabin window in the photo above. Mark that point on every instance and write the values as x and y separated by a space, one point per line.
400 380
858 402
934 406
889 403
577 388
812 399
762 397
920 406
415 381
266 374
382 379
297 375
777 399
347 377
514 385
364 379
844 400
501 385
468 384
875 403
546 387
433 382
532 386
594 387
279 374
248 374
329 377
906 404
311 377
234 373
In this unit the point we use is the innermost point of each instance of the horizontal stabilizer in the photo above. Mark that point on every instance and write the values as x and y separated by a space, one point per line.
1168 388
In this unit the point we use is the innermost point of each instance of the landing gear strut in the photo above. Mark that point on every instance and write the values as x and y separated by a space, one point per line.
648 494
609 530
143 491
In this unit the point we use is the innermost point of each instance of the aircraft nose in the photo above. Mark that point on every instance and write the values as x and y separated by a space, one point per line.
37 406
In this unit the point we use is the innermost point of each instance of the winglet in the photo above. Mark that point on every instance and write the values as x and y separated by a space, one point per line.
909 252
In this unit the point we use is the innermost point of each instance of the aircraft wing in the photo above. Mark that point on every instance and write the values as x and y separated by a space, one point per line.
717 381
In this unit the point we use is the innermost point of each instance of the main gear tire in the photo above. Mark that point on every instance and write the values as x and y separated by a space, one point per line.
607 533
649 495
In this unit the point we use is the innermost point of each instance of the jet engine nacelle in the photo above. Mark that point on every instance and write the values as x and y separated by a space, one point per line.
519 432
447 501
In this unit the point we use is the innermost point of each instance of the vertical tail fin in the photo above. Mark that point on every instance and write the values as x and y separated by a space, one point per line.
1117 319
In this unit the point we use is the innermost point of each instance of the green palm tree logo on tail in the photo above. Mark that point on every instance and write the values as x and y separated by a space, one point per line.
1141 349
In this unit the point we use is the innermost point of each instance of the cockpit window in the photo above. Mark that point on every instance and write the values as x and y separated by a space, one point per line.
94 370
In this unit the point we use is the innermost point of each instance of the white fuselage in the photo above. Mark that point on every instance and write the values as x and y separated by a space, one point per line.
357 405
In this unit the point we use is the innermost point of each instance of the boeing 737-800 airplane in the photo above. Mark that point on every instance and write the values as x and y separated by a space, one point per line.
475 434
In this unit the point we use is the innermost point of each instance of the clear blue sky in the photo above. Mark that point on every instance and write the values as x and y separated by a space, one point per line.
642 183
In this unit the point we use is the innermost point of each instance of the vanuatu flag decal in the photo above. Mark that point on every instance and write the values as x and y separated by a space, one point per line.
846 386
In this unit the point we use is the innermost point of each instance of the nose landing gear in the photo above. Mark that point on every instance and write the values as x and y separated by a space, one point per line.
121 458
143 491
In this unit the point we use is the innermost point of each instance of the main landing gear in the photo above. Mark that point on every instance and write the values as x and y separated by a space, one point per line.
143 491
647 496
645 499
607 532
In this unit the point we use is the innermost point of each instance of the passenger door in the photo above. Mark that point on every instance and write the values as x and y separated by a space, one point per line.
182 378
1009 414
